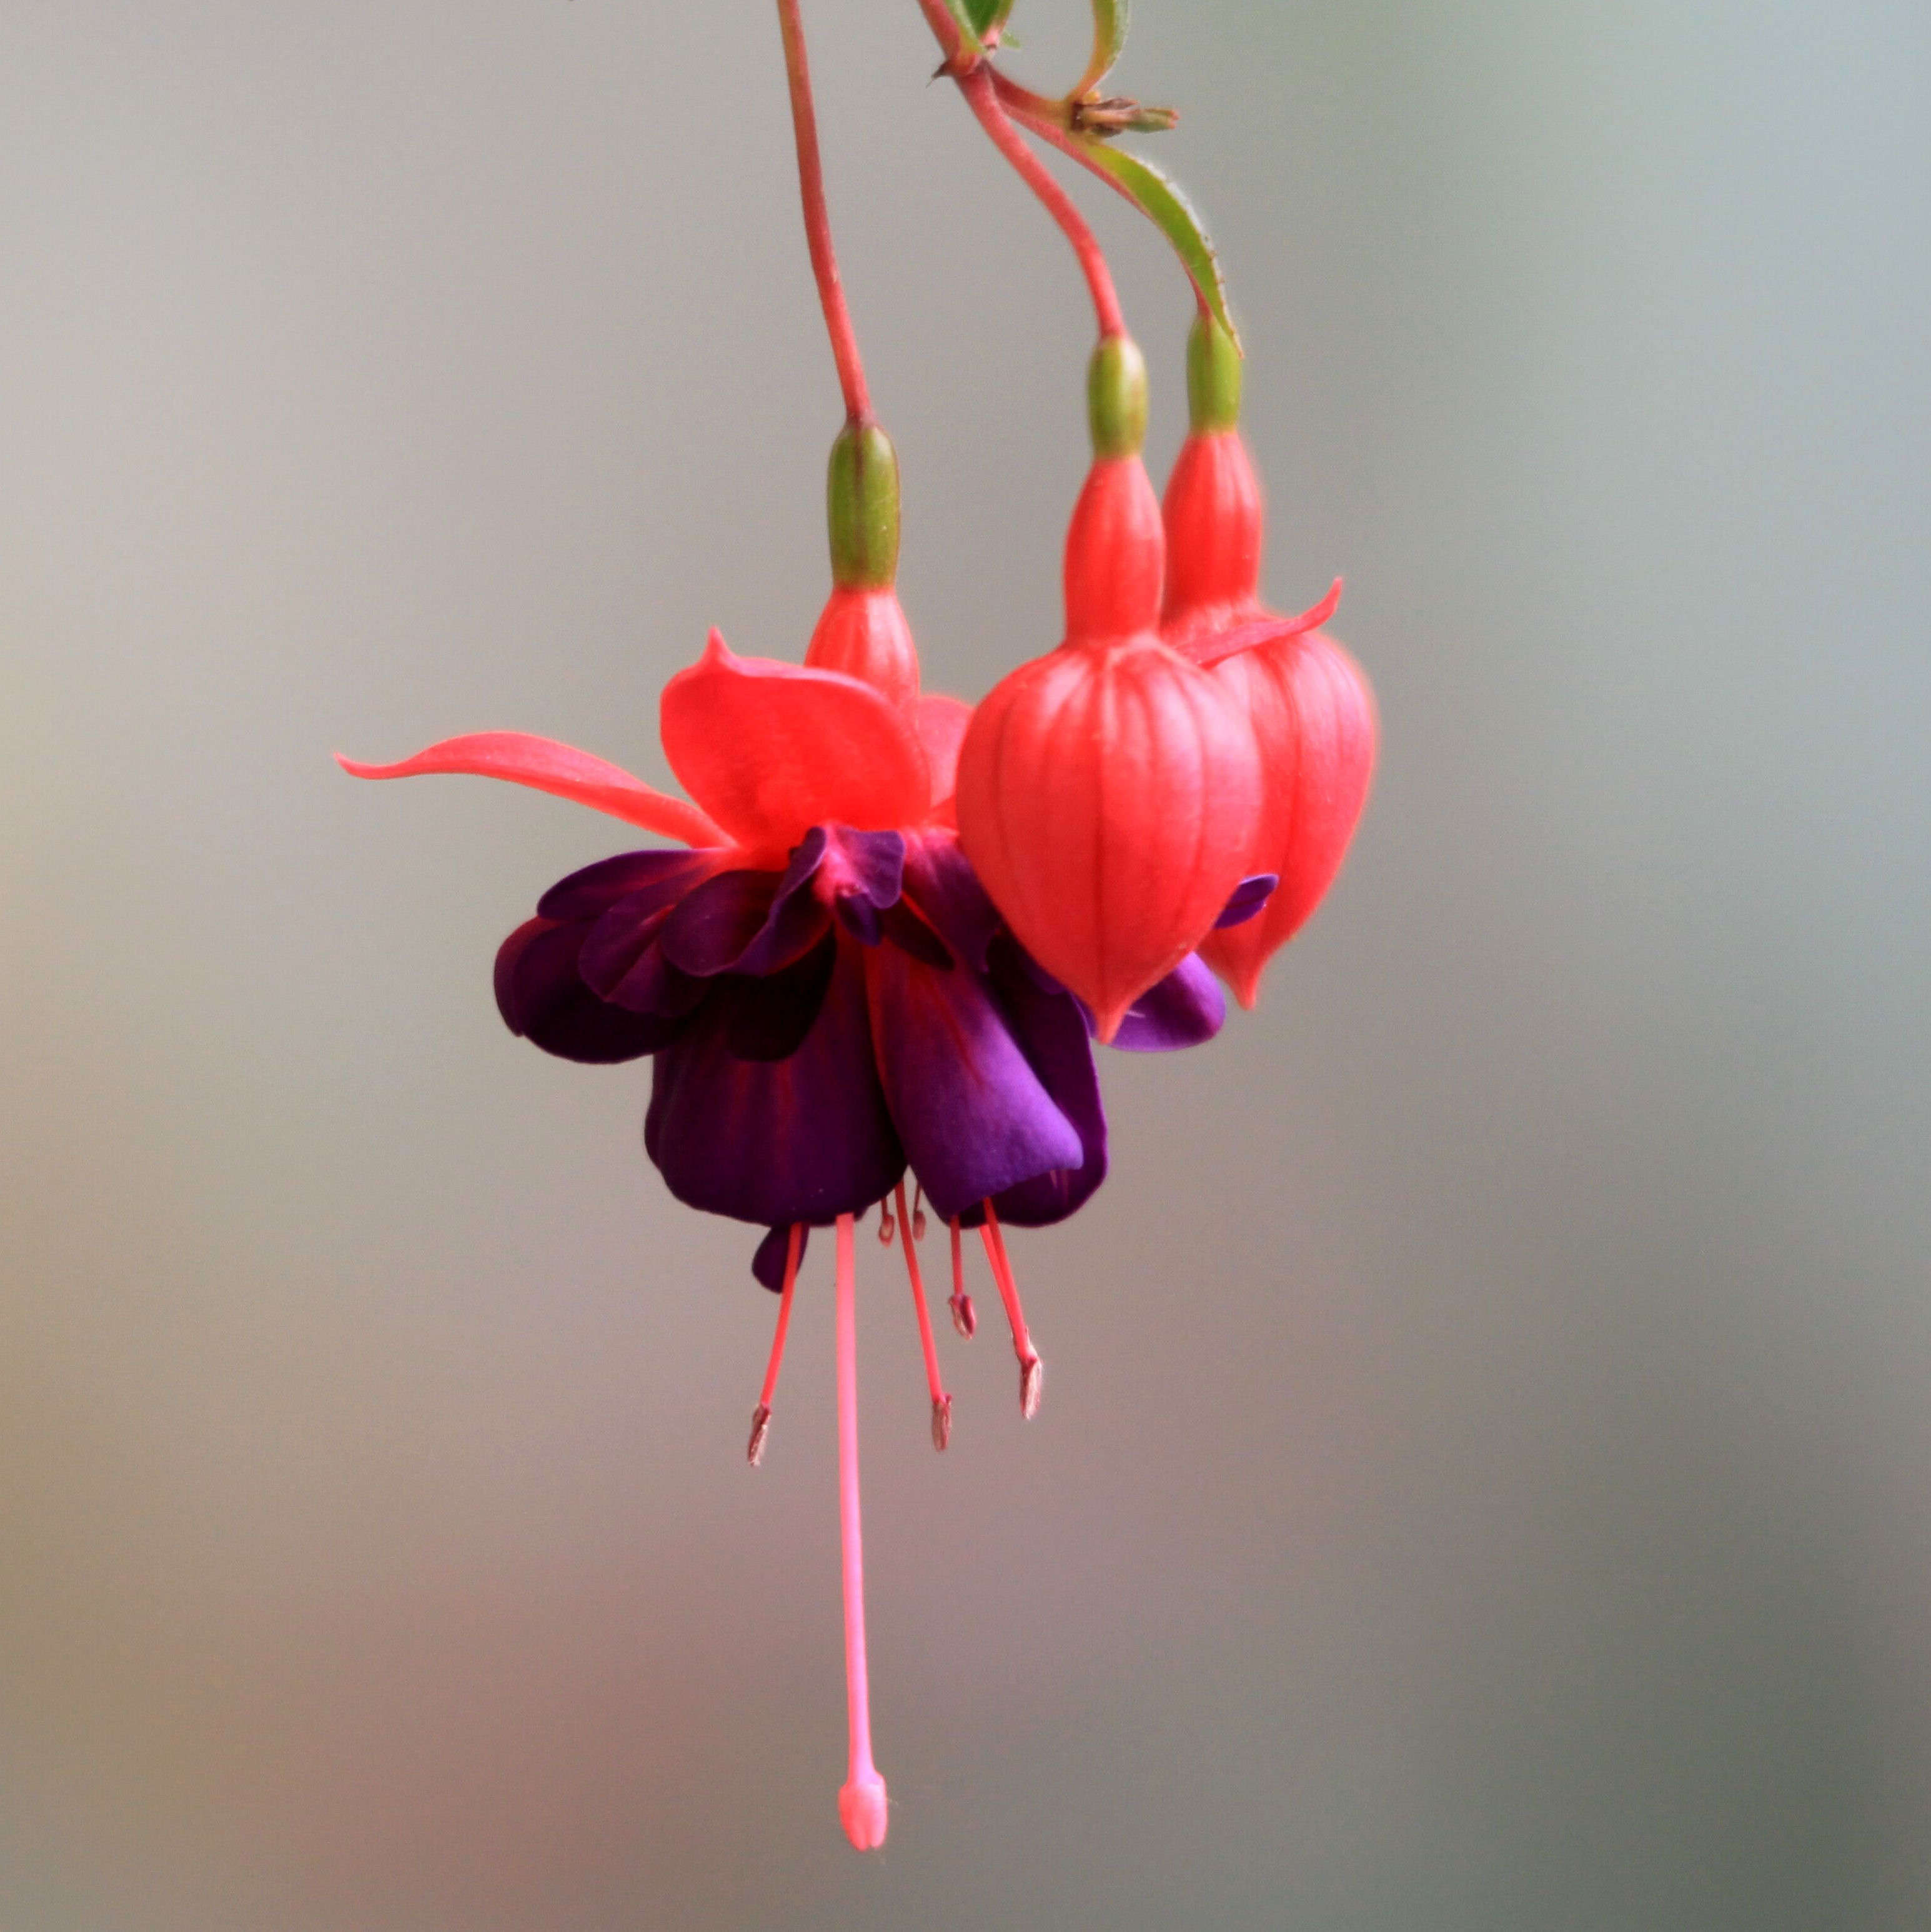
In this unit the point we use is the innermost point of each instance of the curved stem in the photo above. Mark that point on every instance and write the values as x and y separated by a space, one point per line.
817 220
977 83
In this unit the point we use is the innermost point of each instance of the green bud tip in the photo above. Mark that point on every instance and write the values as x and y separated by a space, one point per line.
862 509
1116 397
1213 378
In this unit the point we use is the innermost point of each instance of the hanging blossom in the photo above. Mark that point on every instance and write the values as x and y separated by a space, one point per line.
828 996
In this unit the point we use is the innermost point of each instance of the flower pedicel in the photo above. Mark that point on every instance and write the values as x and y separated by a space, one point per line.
890 925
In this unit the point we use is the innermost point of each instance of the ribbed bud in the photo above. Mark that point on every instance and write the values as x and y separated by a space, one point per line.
1116 398
1116 553
1213 378
862 509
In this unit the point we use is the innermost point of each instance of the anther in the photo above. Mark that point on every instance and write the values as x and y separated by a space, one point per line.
760 1419
965 1317
887 1231
918 1209
1032 1370
942 1421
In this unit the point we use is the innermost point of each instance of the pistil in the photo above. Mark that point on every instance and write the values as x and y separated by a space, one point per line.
760 1420
861 1801
1032 1370
942 1403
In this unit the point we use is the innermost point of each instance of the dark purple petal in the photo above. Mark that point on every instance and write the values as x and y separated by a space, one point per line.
654 986
869 865
1050 1026
859 917
943 885
1248 901
667 875
804 1139
541 996
1184 1009
769 1018
972 1113
910 934
710 929
797 920
768 1264
617 939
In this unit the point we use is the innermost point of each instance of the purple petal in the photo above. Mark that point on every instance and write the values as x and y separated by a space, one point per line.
859 917
943 887
869 865
667 874
1050 1025
768 1264
1248 900
712 928
972 1113
542 997
1184 1009
769 1017
797 920
910 934
804 1139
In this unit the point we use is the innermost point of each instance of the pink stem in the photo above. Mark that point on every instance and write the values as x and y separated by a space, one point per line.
975 80
817 220
760 1421
942 1403
862 1801
1032 1370
965 1317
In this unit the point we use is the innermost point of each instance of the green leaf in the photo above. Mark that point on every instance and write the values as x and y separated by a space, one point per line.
987 16
962 12
1160 200
1109 36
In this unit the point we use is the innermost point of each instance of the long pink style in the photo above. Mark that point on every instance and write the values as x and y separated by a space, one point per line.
862 1801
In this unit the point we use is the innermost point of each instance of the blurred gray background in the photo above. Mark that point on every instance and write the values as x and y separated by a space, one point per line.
1485 1481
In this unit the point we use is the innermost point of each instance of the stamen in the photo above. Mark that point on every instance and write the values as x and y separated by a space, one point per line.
965 1317
918 1209
887 1232
861 1801
942 1403
1032 1370
760 1420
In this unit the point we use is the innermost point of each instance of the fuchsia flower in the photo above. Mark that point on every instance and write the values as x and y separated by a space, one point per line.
828 994
1307 703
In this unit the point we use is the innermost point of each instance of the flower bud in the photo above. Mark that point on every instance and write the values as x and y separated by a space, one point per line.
1107 791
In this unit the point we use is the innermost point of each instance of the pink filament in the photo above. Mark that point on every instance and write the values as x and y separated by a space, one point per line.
942 1403
760 1421
784 1314
1031 1371
862 1801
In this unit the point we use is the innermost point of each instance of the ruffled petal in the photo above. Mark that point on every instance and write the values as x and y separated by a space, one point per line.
772 749
939 881
709 932
668 875
972 1114
623 962
542 997
1187 1009
544 765
769 1018
804 1139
